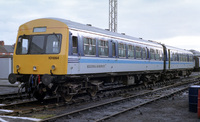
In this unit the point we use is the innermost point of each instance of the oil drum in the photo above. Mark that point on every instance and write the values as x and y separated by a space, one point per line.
193 98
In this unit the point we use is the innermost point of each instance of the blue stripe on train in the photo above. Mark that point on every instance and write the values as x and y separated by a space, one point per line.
120 61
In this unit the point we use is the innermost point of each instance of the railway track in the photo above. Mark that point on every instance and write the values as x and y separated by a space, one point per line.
24 107
21 108
106 110
33 106
8 98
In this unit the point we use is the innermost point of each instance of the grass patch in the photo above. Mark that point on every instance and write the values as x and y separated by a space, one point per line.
42 116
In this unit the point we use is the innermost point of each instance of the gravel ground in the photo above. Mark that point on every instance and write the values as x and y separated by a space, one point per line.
175 109
169 110
8 90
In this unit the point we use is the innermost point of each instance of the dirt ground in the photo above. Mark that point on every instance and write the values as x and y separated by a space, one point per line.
174 109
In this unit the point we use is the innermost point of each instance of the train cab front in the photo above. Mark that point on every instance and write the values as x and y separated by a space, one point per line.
40 53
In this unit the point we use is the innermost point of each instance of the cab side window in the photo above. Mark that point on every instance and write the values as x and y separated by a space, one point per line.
22 46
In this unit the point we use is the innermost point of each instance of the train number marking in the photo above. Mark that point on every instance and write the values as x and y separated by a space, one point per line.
54 57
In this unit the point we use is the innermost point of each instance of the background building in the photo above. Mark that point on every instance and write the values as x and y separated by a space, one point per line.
6 62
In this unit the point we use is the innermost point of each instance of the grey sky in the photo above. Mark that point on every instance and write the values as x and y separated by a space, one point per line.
173 22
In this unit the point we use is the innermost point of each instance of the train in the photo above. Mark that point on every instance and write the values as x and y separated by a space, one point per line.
55 56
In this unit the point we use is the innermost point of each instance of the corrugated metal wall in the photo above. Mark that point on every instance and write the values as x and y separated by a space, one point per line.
5 67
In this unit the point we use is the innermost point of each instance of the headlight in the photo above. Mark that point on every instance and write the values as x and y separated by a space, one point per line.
17 67
53 67
34 68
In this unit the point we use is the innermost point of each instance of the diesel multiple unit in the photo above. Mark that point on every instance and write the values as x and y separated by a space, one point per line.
56 56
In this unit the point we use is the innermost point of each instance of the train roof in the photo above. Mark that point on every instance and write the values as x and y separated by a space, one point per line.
75 25
178 49
79 26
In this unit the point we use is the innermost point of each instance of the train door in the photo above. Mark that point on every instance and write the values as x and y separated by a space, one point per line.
164 55
169 58
113 53
74 53
148 57
198 62
73 44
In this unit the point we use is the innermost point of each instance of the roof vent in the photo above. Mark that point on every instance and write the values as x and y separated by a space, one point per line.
89 24
123 33
140 38
107 29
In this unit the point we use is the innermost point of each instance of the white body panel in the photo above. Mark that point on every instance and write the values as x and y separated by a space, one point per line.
90 65
180 65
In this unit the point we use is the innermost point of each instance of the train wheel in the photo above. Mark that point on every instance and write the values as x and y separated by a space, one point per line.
93 91
39 95
67 97
145 84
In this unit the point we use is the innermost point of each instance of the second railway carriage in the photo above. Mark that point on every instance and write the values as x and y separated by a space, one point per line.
179 62
57 56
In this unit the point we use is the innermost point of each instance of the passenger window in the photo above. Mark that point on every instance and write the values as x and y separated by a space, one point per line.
185 57
160 52
152 54
190 58
178 57
103 48
75 44
174 56
130 51
89 46
181 57
113 49
143 53
122 50
138 52
157 55
147 53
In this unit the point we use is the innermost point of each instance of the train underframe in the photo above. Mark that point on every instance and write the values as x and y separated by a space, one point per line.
39 86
